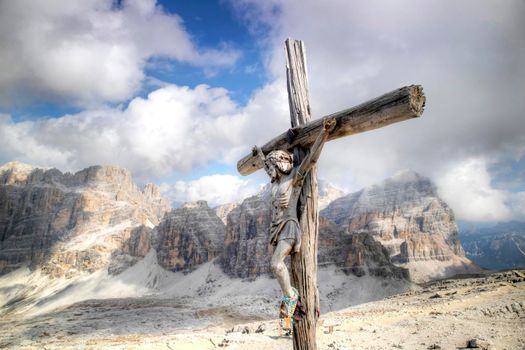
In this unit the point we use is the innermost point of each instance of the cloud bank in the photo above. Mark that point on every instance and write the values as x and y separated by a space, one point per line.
85 52
468 56
173 129
467 187
215 189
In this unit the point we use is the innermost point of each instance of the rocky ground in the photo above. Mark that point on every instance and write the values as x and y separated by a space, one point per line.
490 311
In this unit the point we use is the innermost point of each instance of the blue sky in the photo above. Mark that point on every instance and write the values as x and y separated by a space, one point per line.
177 91
213 23
210 23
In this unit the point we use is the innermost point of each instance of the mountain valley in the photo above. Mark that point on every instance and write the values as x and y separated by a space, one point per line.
89 256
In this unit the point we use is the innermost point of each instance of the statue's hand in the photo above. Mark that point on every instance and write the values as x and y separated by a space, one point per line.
329 125
256 151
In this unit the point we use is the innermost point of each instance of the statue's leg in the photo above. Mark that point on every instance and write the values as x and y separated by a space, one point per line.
284 247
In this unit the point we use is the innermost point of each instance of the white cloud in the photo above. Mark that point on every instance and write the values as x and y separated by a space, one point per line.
467 189
171 131
174 129
85 52
215 189
467 55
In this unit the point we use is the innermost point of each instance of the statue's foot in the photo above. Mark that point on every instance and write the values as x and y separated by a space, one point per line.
288 305
290 302
287 325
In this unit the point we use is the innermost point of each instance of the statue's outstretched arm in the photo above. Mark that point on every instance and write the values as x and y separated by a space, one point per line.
317 147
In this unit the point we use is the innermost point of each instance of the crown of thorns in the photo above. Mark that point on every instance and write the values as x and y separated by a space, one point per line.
280 156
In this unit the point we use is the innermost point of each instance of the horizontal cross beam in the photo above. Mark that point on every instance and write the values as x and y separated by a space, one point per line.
396 106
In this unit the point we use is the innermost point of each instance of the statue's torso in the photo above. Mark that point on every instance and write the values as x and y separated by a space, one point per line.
284 188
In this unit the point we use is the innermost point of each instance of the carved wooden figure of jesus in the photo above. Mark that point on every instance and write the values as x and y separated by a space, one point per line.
291 185
287 182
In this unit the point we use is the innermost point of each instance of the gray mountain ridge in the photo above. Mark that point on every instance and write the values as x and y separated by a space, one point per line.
69 224
497 247
97 218
405 214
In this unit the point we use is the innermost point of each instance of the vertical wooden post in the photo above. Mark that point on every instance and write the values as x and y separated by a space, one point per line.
304 263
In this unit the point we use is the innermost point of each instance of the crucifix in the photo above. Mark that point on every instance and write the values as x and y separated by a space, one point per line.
289 159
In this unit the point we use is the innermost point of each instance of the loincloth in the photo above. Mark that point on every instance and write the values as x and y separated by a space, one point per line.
288 230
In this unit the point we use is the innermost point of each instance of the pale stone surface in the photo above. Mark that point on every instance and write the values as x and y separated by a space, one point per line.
72 223
358 254
189 236
443 315
247 251
246 246
407 216
223 210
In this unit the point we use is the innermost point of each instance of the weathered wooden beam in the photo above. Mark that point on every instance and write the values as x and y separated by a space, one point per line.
297 82
396 106
304 263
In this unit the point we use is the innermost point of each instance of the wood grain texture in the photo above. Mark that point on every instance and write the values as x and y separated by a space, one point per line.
304 263
297 82
404 103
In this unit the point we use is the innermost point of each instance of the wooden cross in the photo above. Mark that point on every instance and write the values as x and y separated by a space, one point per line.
398 105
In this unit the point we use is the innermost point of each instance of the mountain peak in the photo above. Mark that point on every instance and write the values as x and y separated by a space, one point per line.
328 193
196 205
16 165
405 214
15 171
406 175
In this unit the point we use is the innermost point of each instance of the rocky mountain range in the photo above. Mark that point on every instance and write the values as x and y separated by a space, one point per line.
188 237
405 214
97 218
327 193
247 251
501 246
246 245
73 223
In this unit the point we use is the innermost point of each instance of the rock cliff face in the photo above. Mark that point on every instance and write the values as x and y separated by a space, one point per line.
246 246
222 211
189 236
70 223
97 218
406 216
247 251
359 254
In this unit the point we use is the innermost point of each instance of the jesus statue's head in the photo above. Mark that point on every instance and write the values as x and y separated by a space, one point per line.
279 162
